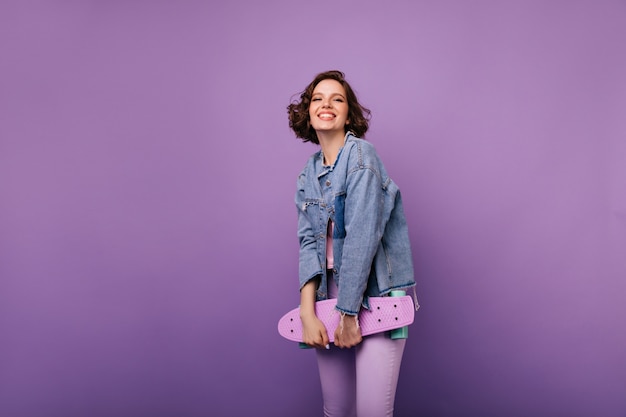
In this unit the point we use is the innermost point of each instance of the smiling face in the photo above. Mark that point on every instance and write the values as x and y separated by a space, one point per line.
328 110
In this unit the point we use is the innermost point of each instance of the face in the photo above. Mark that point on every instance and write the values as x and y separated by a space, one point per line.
328 110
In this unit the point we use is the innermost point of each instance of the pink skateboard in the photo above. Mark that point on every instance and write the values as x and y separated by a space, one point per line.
385 313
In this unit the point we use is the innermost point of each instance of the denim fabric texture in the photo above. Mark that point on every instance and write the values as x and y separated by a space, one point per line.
371 247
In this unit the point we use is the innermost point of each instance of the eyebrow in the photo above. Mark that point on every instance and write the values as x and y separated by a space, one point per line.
332 95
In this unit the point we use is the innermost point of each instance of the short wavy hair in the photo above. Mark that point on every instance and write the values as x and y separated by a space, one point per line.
300 121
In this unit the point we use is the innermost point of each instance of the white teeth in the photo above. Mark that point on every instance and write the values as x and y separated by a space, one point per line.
326 116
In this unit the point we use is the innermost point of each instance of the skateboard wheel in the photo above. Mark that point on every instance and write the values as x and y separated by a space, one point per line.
402 332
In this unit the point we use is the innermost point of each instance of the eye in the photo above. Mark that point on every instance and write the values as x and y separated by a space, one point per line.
316 99
339 100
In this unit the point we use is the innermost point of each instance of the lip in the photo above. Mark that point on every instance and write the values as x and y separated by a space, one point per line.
321 115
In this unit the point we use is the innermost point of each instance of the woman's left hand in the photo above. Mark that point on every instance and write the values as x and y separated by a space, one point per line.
348 334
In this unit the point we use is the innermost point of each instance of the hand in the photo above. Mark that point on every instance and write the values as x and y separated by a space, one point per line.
348 334
314 332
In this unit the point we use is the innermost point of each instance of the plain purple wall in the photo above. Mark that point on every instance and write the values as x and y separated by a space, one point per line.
147 225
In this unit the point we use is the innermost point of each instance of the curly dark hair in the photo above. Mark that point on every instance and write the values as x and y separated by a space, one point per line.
299 119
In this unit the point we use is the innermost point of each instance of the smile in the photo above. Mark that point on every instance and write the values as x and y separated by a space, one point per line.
326 116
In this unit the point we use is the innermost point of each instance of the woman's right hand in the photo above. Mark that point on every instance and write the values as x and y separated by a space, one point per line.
314 332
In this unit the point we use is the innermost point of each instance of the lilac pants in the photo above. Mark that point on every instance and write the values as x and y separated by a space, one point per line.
361 381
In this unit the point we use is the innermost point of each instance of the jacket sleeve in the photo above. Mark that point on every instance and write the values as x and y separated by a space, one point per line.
363 219
309 265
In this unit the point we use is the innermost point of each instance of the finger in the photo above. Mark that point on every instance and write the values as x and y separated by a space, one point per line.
338 334
321 341
325 339
337 341
314 343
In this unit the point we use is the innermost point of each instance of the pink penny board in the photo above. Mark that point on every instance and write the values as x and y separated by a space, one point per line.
385 313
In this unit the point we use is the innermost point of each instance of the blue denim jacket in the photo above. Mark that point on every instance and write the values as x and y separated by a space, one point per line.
371 247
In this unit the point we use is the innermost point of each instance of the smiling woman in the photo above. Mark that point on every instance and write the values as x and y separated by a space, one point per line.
353 234
357 120
329 109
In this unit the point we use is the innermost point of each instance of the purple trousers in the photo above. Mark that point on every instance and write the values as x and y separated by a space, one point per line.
361 381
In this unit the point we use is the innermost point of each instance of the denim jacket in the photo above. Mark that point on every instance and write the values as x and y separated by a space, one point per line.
371 248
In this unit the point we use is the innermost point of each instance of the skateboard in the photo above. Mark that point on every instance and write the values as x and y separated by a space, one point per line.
385 313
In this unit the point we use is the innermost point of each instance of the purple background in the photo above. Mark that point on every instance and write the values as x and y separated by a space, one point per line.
147 225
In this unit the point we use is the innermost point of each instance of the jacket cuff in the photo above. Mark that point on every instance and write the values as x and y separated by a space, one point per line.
350 311
303 281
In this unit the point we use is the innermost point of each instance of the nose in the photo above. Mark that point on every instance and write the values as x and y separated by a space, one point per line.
326 103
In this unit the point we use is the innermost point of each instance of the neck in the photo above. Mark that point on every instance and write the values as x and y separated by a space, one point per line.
330 144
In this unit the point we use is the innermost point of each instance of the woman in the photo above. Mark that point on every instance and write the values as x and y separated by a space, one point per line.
354 243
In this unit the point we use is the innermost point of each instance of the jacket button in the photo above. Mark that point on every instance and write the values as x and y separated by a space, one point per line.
327 183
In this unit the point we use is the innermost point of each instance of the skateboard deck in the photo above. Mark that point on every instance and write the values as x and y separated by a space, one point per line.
385 313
